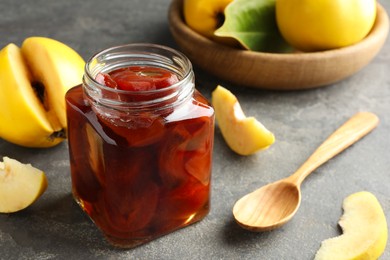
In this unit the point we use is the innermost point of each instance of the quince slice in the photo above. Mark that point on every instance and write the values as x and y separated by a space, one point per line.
20 185
244 135
364 231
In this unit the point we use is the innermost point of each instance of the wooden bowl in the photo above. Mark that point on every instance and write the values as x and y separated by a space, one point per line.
278 71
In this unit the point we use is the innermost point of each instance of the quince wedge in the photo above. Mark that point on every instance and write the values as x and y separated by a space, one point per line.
20 185
364 231
33 83
244 135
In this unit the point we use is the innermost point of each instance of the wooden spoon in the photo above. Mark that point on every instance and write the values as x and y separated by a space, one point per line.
273 205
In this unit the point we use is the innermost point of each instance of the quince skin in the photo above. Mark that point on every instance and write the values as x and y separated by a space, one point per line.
244 135
205 17
313 25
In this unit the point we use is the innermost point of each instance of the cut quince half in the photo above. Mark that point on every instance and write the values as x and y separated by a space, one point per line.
20 185
364 231
244 135
33 83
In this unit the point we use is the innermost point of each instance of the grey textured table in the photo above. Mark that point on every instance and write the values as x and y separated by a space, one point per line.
55 228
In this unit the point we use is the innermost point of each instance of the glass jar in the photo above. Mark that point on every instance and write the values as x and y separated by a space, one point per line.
140 160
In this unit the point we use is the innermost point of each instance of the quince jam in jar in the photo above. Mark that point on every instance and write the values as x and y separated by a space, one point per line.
140 143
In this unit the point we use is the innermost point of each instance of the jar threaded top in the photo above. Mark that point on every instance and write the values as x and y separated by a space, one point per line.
150 55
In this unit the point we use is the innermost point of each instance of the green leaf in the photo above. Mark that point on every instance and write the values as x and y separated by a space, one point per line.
253 24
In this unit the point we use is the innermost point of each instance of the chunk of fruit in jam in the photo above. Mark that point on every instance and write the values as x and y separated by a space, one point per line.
106 80
186 152
138 78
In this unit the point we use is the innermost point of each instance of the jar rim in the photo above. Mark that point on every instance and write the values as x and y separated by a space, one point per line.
137 46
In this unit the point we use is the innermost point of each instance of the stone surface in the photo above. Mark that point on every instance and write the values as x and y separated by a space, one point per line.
55 227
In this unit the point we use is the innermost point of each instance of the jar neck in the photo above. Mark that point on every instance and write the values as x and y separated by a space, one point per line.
138 101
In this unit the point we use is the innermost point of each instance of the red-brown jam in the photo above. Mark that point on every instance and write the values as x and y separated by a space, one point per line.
140 170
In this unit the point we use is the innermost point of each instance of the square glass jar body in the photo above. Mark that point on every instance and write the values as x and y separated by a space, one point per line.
139 170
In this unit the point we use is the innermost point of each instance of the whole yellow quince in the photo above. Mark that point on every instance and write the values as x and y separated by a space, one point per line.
314 25
33 83
205 17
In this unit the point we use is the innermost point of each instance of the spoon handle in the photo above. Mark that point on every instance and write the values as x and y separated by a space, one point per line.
350 132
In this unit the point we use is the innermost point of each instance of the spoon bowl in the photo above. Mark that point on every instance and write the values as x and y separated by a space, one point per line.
263 215
273 205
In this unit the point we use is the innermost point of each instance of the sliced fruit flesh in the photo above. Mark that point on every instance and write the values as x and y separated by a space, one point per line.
244 135
20 185
364 230
57 67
